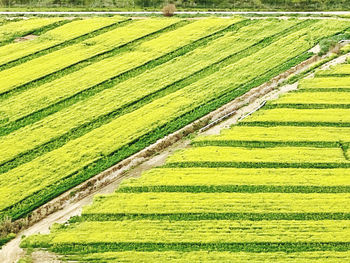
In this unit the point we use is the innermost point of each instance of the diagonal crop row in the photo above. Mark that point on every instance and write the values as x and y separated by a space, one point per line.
74 57
150 83
55 39
82 86
13 30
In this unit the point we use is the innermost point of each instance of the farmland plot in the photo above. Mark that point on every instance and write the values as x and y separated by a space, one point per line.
11 30
261 191
63 123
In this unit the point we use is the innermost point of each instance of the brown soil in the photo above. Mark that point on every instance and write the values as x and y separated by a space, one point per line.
25 38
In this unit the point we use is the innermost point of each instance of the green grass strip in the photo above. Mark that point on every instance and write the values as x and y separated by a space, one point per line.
213 216
210 256
64 44
256 165
236 189
325 75
233 247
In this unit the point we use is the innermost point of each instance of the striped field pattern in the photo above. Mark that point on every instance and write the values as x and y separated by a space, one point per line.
274 188
87 93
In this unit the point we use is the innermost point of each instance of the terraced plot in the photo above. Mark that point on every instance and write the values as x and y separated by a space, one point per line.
262 191
117 86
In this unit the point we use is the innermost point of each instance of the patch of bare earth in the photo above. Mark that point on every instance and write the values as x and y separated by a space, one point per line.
25 38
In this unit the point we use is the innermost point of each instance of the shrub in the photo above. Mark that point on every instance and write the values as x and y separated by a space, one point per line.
169 10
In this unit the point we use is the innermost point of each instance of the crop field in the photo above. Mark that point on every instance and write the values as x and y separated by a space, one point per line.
87 93
273 188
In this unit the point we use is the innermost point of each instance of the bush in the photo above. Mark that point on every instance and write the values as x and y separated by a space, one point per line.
169 10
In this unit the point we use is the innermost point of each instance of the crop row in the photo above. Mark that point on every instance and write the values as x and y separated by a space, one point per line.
325 83
134 232
212 256
341 70
316 116
326 98
32 70
77 82
69 33
155 83
167 178
256 155
149 203
318 135
10 31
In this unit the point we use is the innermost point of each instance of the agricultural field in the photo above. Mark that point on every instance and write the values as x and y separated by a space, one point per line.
273 188
87 93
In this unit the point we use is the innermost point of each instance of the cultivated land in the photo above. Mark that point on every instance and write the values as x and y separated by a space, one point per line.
273 188
112 86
